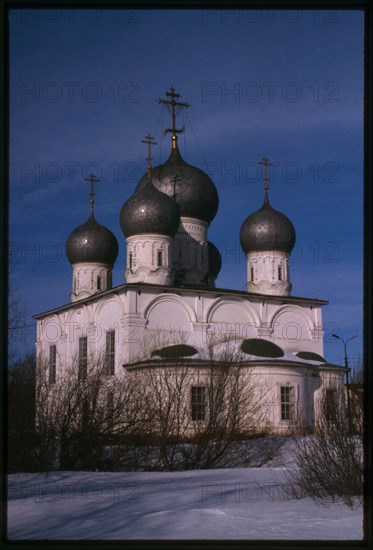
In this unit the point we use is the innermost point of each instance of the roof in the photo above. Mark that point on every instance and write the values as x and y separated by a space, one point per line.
149 212
235 351
202 363
194 191
267 229
199 290
92 242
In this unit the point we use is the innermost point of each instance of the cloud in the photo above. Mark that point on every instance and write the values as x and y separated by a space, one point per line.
239 120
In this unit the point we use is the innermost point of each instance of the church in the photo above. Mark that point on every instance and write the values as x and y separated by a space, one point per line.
170 311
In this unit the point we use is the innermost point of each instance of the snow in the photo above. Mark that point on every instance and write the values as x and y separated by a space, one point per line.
236 503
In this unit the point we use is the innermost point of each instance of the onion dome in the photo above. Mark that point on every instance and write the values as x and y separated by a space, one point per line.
267 229
92 242
194 192
215 261
149 211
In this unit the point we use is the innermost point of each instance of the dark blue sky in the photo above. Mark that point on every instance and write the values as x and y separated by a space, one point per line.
285 84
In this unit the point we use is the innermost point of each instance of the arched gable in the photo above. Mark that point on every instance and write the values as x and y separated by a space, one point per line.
291 324
108 312
233 317
51 330
75 320
169 313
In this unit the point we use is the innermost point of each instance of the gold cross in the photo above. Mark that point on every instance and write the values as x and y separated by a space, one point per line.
150 141
93 179
173 95
265 163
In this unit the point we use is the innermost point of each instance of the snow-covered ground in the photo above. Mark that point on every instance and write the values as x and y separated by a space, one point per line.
239 503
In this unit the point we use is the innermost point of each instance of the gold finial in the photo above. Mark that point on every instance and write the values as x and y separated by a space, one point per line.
150 141
173 103
92 179
265 163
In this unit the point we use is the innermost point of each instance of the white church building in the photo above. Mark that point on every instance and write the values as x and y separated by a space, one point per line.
171 308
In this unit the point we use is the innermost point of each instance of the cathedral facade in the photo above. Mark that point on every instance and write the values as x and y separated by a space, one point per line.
171 311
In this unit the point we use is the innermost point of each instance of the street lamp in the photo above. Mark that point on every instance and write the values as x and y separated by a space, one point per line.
345 342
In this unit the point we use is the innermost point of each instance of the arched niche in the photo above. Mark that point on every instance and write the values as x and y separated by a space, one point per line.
232 318
169 314
290 326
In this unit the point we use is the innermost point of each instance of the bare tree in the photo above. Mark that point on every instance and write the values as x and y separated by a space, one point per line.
168 411
202 410
329 461
77 416
16 323
21 415
357 371
167 387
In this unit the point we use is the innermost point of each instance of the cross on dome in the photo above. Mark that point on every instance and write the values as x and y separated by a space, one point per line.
266 163
174 181
92 178
150 141
173 103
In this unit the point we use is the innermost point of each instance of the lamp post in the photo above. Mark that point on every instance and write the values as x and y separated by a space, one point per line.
345 342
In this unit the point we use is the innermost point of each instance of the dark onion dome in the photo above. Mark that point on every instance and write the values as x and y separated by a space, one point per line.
92 242
310 356
195 192
149 211
261 348
267 229
215 261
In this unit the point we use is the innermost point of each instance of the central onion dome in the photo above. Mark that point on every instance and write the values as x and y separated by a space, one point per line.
195 193
149 211
92 242
267 229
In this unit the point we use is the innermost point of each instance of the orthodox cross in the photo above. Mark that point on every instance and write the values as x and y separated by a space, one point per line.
173 103
265 163
92 179
150 141
174 181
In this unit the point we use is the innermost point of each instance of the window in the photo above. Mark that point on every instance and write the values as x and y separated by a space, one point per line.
82 373
110 352
99 282
74 284
130 259
198 402
280 273
110 408
52 364
287 403
251 274
159 258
